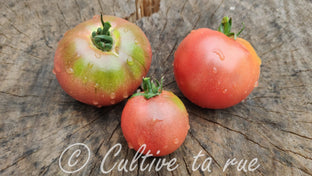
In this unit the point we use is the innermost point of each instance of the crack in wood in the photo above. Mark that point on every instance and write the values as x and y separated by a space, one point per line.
24 156
271 49
79 10
64 19
296 134
305 170
17 95
200 144
213 13
186 166
236 131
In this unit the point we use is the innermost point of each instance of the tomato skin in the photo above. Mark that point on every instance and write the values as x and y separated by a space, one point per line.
160 122
100 78
215 71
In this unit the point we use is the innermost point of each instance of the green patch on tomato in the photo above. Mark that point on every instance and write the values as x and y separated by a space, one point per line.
138 54
108 80
177 102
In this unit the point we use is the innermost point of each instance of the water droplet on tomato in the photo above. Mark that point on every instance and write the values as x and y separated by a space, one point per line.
224 91
95 103
214 69
158 151
125 95
130 61
256 84
176 141
220 54
130 145
219 82
166 146
53 71
112 102
84 80
69 70
113 95
96 85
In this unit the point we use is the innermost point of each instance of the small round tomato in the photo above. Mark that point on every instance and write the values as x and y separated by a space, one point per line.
156 118
215 69
101 63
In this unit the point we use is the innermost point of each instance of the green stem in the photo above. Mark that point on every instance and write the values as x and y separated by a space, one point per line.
226 25
101 38
150 88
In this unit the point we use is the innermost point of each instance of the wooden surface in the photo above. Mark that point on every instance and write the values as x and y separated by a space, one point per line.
274 124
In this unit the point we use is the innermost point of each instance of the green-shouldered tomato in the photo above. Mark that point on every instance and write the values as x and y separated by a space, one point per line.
102 61
156 118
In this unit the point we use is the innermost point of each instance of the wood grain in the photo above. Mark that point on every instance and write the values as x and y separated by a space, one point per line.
274 124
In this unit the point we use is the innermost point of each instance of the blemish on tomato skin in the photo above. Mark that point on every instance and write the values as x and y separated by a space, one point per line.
224 91
219 54
155 120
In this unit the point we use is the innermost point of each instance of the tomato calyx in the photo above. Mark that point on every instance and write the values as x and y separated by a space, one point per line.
150 89
226 25
102 38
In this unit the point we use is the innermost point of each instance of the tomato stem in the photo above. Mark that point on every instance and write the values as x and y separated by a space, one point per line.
226 25
101 38
150 89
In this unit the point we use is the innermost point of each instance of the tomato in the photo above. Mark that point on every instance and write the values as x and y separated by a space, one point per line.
214 69
156 118
101 63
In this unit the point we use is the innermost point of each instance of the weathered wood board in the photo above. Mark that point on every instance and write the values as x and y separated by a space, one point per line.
39 120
